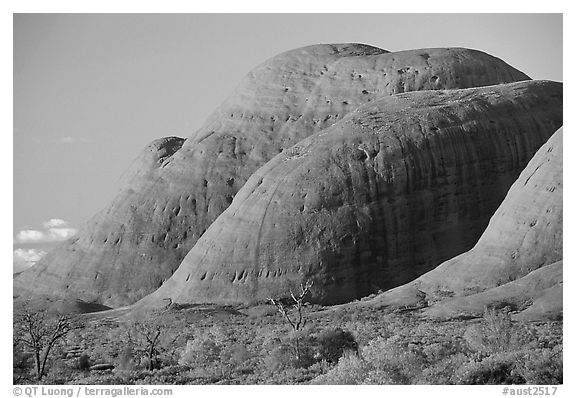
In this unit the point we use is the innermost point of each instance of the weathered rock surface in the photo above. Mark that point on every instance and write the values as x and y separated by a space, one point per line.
177 188
518 258
530 295
102 366
374 201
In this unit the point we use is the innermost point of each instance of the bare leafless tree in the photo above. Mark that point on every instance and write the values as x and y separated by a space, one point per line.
144 337
151 336
40 333
297 321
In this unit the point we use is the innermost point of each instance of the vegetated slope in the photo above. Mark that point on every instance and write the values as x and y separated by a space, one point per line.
516 262
178 187
374 201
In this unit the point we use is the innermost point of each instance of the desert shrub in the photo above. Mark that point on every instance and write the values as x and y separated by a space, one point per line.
308 348
167 375
496 333
233 356
61 372
443 371
351 369
394 359
126 359
393 348
383 361
541 366
438 351
279 358
333 343
496 369
364 332
22 363
269 340
294 375
547 335
216 351
280 353
84 362
201 351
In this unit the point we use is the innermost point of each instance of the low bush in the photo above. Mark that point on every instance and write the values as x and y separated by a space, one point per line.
496 369
541 366
333 343
84 362
368 346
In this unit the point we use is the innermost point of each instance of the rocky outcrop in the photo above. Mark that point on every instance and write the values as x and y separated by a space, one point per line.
178 187
524 234
534 296
516 262
374 201
102 366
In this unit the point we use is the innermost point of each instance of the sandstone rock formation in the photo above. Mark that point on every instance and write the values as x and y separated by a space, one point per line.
536 296
372 202
516 262
178 187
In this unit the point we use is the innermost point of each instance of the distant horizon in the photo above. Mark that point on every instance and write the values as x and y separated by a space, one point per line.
92 90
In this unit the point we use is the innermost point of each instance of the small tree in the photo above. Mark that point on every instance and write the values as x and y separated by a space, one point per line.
40 333
297 322
152 336
144 336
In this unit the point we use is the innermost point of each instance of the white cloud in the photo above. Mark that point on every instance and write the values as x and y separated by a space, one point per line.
26 258
55 230
30 235
55 223
61 233
74 140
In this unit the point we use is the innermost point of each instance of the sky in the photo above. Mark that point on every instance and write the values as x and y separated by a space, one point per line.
91 90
